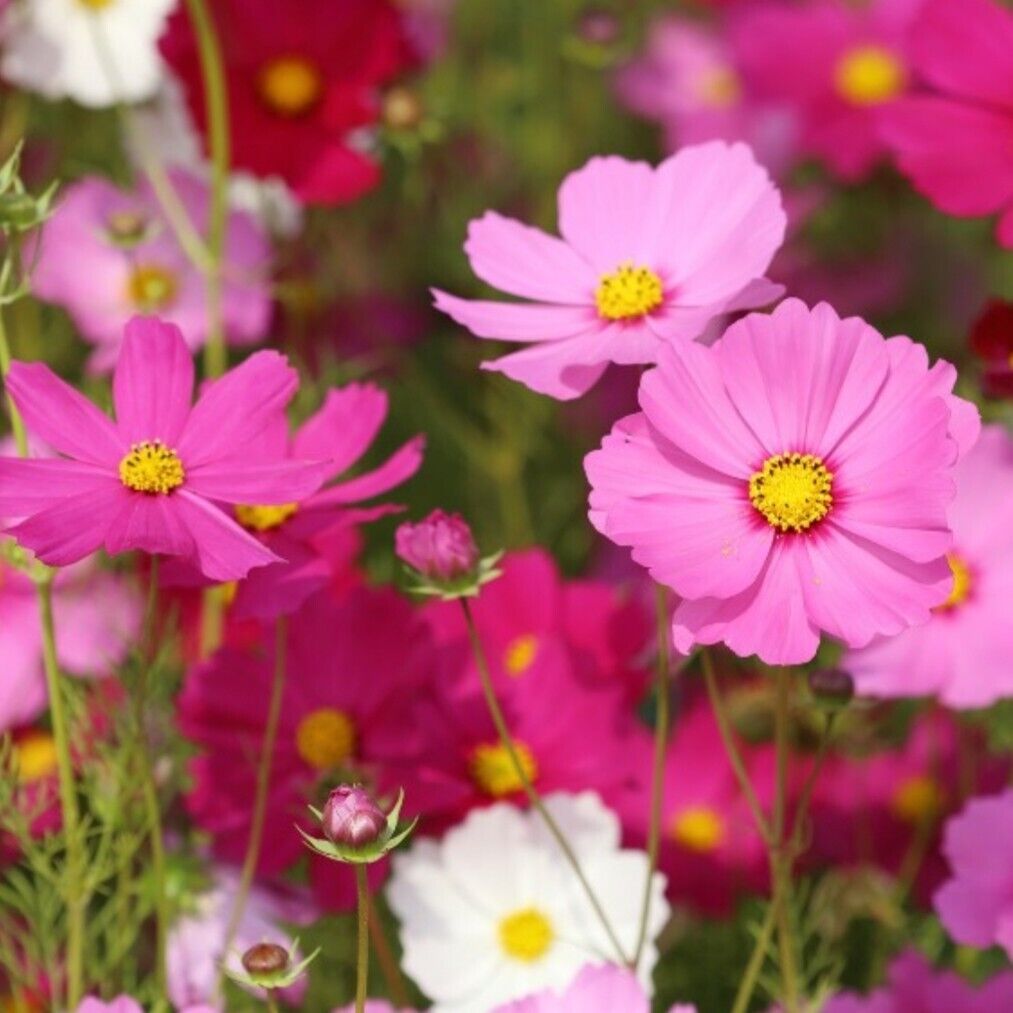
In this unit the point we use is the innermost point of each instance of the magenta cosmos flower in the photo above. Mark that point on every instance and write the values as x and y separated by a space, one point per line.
135 264
792 478
150 480
976 905
954 139
648 256
965 652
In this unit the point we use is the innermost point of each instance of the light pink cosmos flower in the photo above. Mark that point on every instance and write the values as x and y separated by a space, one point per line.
121 1004
648 257
955 141
965 653
150 480
792 478
135 264
976 905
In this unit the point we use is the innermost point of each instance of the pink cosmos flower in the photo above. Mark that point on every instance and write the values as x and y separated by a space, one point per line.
648 257
834 63
976 905
965 653
792 478
954 140
96 615
121 1004
135 264
913 984
151 479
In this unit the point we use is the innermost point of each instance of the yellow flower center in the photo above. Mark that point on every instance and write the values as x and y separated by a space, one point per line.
792 491
264 518
152 467
868 75
628 292
699 828
494 772
95 5
325 738
520 654
34 757
526 935
720 88
151 288
918 799
290 85
961 583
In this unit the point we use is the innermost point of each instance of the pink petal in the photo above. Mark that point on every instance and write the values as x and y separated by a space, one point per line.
235 410
151 524
517 321
968 913
559 369
153 382
32 484
343 428
233 481
58 415
526 262
398 468
281 588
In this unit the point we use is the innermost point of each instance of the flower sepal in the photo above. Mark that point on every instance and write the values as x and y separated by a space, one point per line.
267 965
366 852
467 586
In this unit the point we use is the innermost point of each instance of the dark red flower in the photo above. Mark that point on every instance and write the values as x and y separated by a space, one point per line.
992 341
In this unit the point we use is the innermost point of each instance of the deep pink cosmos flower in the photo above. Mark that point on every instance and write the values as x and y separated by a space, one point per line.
150 479
792 478
954 140
834 63
648 257
135 264
964 655
976 905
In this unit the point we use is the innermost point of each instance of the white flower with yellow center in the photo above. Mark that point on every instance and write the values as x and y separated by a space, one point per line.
97 52
493 911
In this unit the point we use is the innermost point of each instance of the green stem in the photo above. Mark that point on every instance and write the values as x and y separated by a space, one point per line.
658 768
362 948
805 796
748 983
269 1000
532 794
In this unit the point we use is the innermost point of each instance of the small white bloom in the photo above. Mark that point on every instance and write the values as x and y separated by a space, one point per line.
494 912
97 52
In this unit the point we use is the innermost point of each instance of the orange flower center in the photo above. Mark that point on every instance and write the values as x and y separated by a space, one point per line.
699 828
520 654
151 288
325 738
290 85
869 75
494 772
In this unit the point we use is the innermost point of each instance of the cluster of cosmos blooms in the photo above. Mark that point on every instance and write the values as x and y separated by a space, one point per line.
790 484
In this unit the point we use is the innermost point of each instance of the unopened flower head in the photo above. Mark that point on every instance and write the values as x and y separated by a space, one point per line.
440 551
351 817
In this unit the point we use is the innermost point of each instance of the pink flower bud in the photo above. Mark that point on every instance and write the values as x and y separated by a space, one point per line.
440 547
351 817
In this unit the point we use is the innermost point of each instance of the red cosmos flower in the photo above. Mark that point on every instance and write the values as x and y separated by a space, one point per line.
301 78
992 342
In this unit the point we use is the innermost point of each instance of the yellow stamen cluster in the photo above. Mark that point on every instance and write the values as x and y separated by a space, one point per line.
526 935
325 738
152 467
719 88
151 288
34 757
264 518
918 800
493 770
628 292
869 75
792 491
95 5
520 654
698 828
290 85
961 589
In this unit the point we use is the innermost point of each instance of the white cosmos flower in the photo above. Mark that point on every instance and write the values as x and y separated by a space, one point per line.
493 911
97 52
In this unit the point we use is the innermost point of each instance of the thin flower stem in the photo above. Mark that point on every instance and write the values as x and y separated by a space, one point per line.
805 796
263 784
731 747
661 720
748 983
362 949
269 1000
385 958
496 712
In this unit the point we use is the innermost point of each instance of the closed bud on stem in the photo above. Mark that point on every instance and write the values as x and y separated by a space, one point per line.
440 547
832 687
351 817
265 958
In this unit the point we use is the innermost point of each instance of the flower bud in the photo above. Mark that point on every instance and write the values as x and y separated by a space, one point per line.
832 686
265 958
440 547
402 108
351 817
598 26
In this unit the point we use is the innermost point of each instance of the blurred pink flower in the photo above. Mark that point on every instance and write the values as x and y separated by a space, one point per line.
794 477
121 1004
151 479
597 989
135 264
954 139
648 257
834 63
976 905
964 655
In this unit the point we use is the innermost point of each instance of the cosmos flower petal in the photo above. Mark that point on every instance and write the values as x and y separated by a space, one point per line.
343 428
517 321
398 468
562 369
32 484
150 524
234 481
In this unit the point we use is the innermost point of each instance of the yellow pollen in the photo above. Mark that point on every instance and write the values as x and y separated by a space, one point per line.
961 583
526 935
868 75
720 88
520 654
493 770
152 467
290 85
151 288
34 757
325 738
792 491
628 292
699 828
918 799
264 518
95 5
